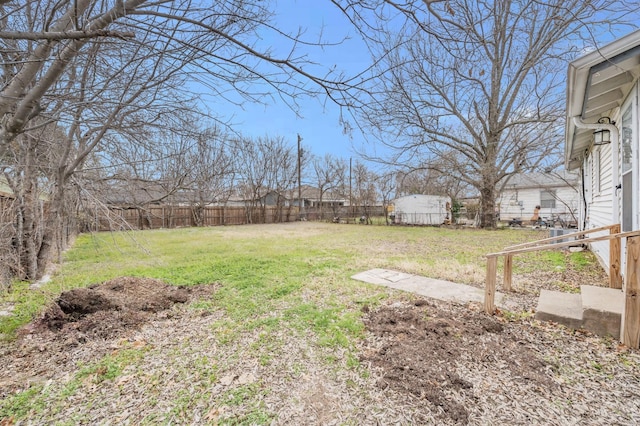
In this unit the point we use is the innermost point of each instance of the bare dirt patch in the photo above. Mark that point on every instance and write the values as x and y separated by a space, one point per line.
92 318
430 362
109 309
420 349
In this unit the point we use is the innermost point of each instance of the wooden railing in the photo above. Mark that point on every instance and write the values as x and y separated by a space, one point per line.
630 334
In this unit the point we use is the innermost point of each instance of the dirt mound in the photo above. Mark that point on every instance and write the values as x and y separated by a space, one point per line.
87 323
108 309
421 348
138 294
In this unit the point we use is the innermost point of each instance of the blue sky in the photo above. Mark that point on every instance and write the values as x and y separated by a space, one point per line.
317 121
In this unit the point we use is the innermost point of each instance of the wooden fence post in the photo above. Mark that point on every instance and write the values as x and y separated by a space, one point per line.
631 315
615 278
490 285
508 266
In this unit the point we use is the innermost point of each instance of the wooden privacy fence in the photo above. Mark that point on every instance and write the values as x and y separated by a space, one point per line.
157 217
631 314
167 216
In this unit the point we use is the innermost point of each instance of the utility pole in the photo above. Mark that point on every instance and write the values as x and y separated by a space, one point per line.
350 198
300 203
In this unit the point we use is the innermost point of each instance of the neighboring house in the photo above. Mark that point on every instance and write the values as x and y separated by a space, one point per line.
311 198
6 199
132 194
556 193
419 209
234 201
602 94
273 199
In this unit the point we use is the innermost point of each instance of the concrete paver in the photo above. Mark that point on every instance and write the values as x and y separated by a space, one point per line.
428 287
596 309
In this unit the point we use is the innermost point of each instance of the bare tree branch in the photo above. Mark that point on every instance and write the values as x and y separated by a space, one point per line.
64 35
483 80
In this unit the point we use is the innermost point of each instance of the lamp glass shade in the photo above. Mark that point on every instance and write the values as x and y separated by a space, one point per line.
601 137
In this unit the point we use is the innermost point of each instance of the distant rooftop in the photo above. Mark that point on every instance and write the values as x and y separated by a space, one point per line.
540 179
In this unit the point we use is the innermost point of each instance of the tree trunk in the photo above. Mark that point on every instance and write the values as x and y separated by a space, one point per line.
489 177
487 206
30 240
28 212
51 244
197 214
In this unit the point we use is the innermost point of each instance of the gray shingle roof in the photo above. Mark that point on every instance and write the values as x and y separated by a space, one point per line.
546 180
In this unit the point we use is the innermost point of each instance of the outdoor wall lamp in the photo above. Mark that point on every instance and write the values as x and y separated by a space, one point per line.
602 136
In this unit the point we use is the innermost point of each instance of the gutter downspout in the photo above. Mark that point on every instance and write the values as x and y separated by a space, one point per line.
615 149
583 167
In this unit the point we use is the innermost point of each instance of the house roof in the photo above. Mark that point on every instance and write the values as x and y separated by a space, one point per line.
312 193
7 192
542 180
597 84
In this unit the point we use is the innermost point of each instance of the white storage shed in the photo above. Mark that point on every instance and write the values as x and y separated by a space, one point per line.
419 209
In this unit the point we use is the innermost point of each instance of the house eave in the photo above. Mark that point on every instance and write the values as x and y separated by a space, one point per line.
597 84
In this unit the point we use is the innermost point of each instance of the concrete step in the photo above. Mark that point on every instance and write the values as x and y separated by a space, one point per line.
563 308
596 309
602 310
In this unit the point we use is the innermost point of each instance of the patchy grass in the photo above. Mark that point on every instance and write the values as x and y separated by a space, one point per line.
275 281
23 403
26 303
262 266
582 260
34 399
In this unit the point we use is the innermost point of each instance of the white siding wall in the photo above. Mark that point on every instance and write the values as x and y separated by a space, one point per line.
528 199
567 201
510 203
600 204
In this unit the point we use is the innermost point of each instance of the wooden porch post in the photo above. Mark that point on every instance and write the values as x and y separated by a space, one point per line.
490 285
630 334
615 278
508 266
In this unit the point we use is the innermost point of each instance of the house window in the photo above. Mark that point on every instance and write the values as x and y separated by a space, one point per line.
629 193
548 199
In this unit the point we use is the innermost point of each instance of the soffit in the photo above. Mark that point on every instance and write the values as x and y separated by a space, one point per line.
597 85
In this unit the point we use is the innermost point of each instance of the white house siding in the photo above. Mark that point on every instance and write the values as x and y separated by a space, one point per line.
567 204
615 68
521 202
635 161
518 203
599 203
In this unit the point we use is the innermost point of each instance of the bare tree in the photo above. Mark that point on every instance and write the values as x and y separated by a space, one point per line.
136 173
210 171
483 79
267 167
326 172
364 193
340 184
437 177
385 187
106 71
253 176
282 171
